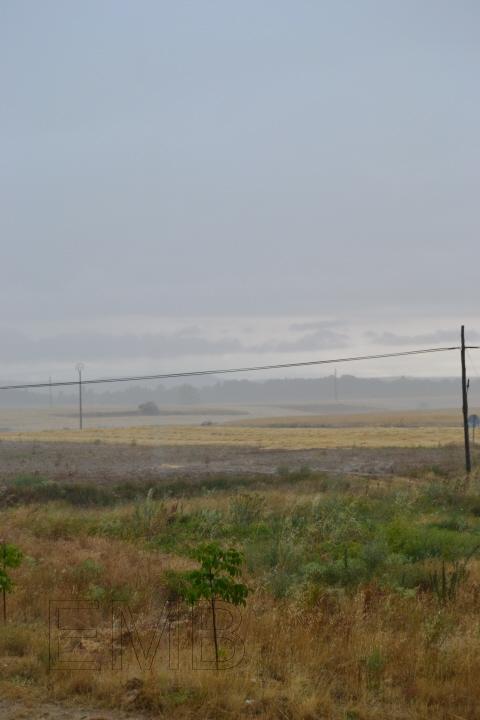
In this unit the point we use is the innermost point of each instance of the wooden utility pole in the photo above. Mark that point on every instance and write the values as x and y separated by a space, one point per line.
468 463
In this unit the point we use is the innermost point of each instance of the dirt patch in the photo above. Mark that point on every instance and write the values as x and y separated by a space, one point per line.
12 710
103 463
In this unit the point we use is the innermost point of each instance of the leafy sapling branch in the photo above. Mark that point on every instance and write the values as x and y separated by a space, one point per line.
10 557
215 579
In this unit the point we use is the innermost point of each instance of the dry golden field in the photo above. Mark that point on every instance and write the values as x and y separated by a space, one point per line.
397 419
263 437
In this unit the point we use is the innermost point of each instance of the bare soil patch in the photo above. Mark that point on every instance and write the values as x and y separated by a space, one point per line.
104 463
13 710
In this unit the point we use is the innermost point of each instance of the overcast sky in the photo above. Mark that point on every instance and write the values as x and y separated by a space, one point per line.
215 182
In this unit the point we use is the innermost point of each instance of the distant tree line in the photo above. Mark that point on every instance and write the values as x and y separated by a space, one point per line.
273 391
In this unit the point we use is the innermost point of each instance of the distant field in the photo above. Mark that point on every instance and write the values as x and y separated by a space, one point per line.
14 420
106 416
101 416
401 429
396 419
295 438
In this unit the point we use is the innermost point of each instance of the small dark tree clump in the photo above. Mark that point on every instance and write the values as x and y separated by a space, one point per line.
148 408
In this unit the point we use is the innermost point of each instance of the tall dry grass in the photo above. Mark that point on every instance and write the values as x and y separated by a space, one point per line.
368 653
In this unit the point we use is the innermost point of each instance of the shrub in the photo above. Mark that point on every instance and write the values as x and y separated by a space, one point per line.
303 473
247 508
348 572
149 517
375 555
442 495
15 640
374 665
38 489
28 481
336 519
444 581
210 523
278 555
57 523
106 595
419 542
85 573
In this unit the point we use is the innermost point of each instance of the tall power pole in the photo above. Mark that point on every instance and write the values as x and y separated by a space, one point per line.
468 463
80 367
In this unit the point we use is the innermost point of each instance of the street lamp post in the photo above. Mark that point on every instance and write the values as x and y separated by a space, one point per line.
80 366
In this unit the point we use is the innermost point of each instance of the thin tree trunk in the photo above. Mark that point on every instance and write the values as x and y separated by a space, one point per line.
4 592
214 622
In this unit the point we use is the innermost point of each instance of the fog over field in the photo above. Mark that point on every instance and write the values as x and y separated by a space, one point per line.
190 185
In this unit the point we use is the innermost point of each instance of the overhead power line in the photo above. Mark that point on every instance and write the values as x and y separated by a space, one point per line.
474 367
224 371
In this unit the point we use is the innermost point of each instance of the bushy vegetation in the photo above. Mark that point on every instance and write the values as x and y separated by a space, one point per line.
363 599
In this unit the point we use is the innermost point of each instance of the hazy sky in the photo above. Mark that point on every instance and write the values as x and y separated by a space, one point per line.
188 184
